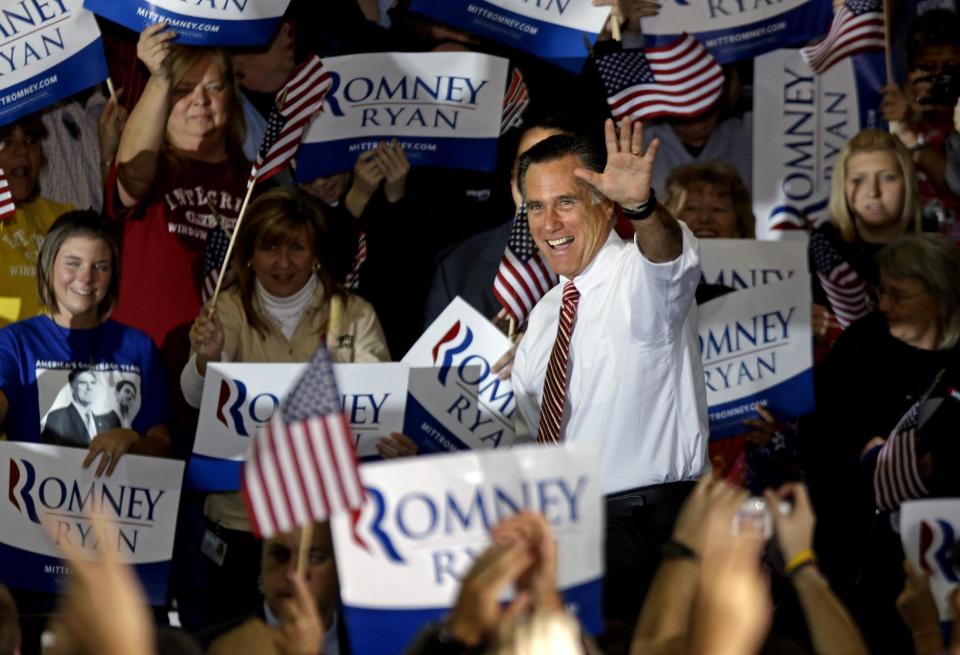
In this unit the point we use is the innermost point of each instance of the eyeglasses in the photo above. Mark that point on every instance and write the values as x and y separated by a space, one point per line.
897 298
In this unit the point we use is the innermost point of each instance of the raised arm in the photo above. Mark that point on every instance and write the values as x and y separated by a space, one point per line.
832 629
626 181
142 138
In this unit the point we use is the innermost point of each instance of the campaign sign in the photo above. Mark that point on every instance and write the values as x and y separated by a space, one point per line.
556 30
800 123
427 519
929 530
756 351
238 399
740 29
442 107
48 492
199 22
459 403
49 50
746 263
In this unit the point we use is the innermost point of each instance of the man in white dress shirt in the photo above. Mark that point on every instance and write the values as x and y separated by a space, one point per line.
631 385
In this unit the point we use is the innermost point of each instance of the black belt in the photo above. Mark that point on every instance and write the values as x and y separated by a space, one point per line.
655 493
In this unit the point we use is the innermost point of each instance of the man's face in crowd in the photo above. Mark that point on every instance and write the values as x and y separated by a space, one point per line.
258 70
280 559
569 223
82 388
21 158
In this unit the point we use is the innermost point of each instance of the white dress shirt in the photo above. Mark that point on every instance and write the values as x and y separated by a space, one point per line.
635 384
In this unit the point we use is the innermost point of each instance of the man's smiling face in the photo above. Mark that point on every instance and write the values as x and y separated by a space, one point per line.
568 221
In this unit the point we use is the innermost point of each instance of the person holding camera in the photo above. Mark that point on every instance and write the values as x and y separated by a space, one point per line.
920 112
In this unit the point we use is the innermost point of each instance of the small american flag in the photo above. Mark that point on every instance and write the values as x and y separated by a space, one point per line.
896 476
303 467
7 209
677 79
844 287
857 27
352 280
300 98
524 277
515 102
214 253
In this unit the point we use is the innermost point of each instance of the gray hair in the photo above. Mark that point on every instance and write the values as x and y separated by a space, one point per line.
934 262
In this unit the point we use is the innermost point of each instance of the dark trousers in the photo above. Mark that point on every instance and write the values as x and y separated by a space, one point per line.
639 522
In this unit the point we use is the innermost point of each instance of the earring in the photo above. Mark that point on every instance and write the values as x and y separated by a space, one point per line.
250 264
316 267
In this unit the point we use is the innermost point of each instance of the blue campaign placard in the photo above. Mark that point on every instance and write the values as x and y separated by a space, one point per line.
48 51
221 23
733 30
560 31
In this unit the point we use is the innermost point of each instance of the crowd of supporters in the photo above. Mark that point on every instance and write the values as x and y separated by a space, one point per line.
120 198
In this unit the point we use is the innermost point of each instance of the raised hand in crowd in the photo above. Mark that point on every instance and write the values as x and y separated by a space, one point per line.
902 112
206 338
110 126
522 554
104 610
832 629
143 136
733 607
918 609
396 445
395 167
367 176
630 12
301 630
664 621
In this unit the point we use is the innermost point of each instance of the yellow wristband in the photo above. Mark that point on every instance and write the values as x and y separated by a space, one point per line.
803 558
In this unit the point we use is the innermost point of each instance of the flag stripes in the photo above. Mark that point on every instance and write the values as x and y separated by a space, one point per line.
857 27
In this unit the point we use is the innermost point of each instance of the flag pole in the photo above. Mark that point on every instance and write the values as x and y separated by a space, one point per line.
306 538
110 89
614 27
887 40
512 328
233 239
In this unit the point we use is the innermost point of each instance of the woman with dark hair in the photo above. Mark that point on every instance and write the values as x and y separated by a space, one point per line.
283 303
58 371
179 173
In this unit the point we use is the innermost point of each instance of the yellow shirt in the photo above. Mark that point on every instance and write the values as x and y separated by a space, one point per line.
20 241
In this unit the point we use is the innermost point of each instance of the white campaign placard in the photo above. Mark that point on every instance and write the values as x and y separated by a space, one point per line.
444 109
49 50
199 22
800 123
929 530
48 486
240 398
746 263
756 350
561 31
459 402
427 519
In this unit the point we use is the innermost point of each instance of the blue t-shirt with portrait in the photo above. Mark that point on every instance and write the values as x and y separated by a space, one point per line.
64 386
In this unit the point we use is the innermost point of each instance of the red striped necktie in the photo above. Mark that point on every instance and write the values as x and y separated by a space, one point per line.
555 383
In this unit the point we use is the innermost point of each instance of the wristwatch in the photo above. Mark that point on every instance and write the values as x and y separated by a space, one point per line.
644 210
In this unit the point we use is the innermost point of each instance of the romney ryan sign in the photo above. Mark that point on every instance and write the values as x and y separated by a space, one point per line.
444 109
